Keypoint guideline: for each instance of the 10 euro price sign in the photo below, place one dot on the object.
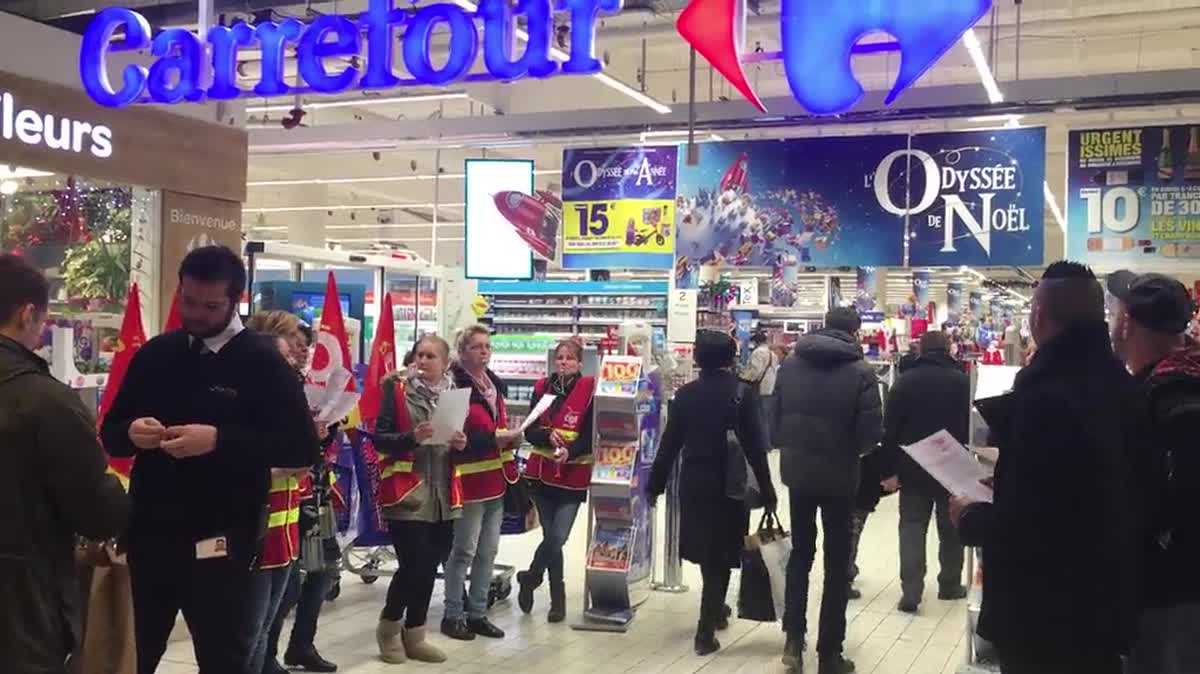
(619, 208)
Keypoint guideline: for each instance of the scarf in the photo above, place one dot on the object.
(426, 391)
(486, 388)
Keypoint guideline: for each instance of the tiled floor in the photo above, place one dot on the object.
(879, 639)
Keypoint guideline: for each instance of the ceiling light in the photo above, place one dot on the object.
(424, 225)
(604, 78)
(9, 187)
(348, 207)
(361, 102)
(342, 239)
(7, 172)
(971, 42)
(288, 182)
(711, 137)
(1054, 209)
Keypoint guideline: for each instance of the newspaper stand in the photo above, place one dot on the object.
(620, 555)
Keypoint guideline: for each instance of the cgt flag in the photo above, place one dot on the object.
(132, 337)
(383, 361)
(330, 387)
(174, 321)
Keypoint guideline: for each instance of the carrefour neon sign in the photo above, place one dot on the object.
(176, 74)
(819, 36)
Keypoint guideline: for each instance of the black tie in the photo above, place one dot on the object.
(199, 348)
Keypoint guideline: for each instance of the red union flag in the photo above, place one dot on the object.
(174, 321)
(132, 337)
(383, 361)
(330, 386)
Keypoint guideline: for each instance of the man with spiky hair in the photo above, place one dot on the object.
(1061, 538)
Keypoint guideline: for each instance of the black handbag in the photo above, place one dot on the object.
(740, 481)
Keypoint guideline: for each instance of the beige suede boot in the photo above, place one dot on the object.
(419, 649)
(389, 634)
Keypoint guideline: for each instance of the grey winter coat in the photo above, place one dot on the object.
(828, 414)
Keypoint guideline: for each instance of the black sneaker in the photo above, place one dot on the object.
(484, 628)
(952, 593)
(706, 643)
(908, 606)
(723, 621)
(853, 593)
(309, 661)
(835, 665)
(457, 629)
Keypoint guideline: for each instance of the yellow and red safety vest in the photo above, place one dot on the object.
(485, 475)
(397, 477)
(282, 543)
(576, 474)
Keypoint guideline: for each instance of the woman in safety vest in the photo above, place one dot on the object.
(420, 495)
(486, 469)
(281, 546)
(559, 471)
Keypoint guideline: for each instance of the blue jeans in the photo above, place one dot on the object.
(476, 541)
(267, 587)
(558, 518)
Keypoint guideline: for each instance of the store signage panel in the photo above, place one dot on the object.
(818, 38)
(619, 208)
(51, 127)
(975, 197)
(328, 50)
(972, 198)
(1133, 196)
(788, 204)
(189, 222)
(494, 247)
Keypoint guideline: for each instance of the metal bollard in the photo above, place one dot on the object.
(672, 566)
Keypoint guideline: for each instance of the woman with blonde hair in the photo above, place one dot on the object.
(487, 468)
(281, 547)
(420, 495)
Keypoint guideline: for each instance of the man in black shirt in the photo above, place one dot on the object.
(208, 411)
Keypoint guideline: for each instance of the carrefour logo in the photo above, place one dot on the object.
(328, 50)
(818, 36)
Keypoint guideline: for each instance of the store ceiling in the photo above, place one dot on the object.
(388, 144)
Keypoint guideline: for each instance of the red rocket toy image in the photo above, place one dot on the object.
(737, 178)
(536, 218)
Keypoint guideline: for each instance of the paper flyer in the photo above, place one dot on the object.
(538, 410)
(449, 415)
(951, 465)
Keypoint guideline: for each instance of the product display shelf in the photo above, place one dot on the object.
(585, 315)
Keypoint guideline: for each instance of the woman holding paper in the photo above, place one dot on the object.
(560, 471)
(420, 495)
(487, 468)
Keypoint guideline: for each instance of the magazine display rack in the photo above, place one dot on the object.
(620, 555)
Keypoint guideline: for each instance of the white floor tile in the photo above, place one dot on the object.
(879, 639)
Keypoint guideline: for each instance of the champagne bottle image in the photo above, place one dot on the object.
(1192, 172)
(1166, 160)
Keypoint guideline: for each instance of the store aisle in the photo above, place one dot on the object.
(879, 639)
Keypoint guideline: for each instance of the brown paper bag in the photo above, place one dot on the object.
(108, 636)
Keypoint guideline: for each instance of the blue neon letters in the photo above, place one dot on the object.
(175, 75)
